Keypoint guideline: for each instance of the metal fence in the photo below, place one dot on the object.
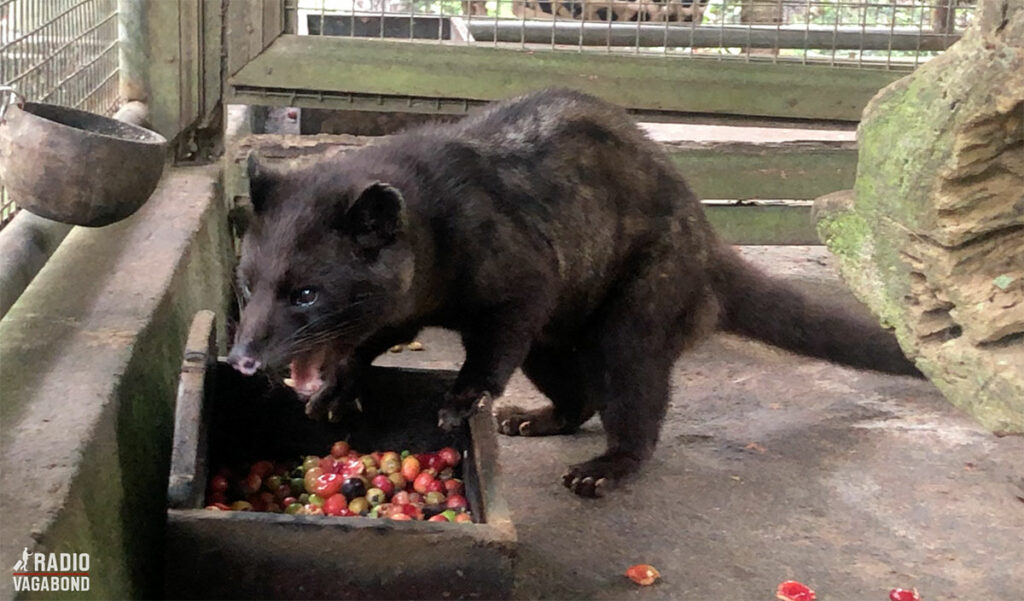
(60, 52)
(887, 34)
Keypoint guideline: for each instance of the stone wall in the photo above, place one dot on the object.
(933, 237)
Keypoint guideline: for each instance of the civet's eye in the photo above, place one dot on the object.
(304, 297)
(246, 291)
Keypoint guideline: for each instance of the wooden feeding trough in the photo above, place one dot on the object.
(223, 417)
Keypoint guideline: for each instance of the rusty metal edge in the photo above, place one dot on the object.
(485, 450)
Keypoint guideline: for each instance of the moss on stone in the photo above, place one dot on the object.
(850, 237)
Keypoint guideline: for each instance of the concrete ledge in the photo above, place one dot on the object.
(89, 357)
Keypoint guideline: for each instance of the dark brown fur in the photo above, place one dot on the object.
(553, 236)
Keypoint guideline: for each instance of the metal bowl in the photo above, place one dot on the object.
(77, 167)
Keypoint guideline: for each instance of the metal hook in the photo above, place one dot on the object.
(8, 96)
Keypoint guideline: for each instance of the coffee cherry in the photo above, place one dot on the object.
(384, 483)
(410, 468)
(359, 505)
(450, 456)
(398, 480)
(456, 502)
(422, 482)
(375, 496)
(339, 449)
(353, 488)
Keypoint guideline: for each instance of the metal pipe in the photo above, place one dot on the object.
(25, 245)
(134, 112)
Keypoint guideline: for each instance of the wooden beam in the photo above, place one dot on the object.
(763, 222)
(212, 45)
(190, 62)
(374, 103)
(164, 67)
(745, 171)
(250, 26)
(314, 64)
(272, 24)
(721, 170)
(236, 38)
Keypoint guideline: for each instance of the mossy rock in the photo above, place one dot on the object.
(932, 236)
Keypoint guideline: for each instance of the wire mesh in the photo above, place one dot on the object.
(59, 52)
(886, 34)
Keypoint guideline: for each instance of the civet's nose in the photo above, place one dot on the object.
(241, 361)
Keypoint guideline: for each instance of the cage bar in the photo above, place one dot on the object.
(886, 34)
(62, 52)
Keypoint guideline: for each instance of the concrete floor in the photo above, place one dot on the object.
(770, 467)
(773, 467)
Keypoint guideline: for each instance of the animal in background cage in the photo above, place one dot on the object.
(383, 6)
(944, 15)
(474, 7)
(601, 10)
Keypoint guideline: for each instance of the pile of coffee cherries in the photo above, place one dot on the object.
(392, 485)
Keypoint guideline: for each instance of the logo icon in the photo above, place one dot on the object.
(51, 572)
(22, 563)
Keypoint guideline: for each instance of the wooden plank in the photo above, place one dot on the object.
(341, 101)
(743, 171)
(345, 65)
(732, 170)
(770, 224)
(291, 21)
(273, 21)
(212, 76)
(163, 66)
(189, 62)
(747, 223)
(236, 36)
(182, 63)
(254, 27)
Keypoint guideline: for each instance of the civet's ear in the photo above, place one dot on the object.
(261, 182)
(376, 217)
